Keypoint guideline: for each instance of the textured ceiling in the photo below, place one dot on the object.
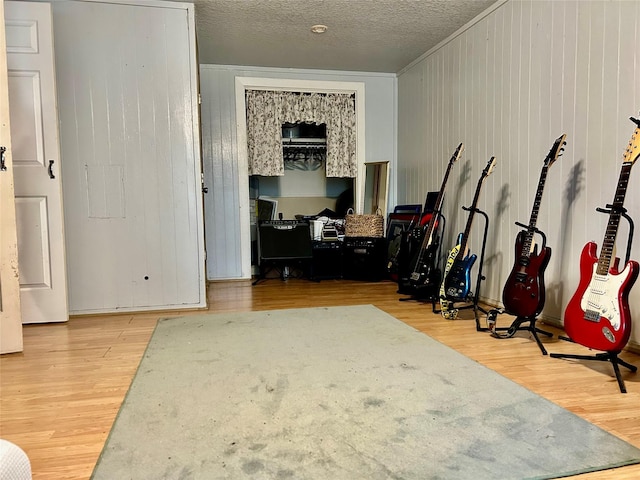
(362, 35)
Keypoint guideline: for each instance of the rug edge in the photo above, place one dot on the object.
(126, 396)
(601, 468)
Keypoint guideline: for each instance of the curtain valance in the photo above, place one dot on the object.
(268, 110)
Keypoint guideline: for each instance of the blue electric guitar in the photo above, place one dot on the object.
(457, 282)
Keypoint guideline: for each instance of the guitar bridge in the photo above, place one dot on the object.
(592, 316)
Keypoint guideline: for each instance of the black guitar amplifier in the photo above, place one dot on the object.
(284, 240)
(364, 258)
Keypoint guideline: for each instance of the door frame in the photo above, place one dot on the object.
(243, 84)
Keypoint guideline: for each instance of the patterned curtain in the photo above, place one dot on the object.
(264, 134)
(268, 110)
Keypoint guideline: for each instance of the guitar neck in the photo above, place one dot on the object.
(606, 252)
(426, 241)
(528, 240)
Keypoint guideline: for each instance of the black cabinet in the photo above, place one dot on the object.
(327, 260)
(364, 258)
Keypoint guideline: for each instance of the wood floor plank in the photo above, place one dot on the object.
(59, 398)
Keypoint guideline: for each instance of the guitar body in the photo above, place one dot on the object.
(598, 316)
(524, 293)
(457, 284)
(446, 306)
(426, 276)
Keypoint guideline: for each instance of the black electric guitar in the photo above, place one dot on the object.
(425, 275)
(524, 293)
(457, 281)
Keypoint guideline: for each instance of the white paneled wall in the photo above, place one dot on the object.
(223, 219)
(508, 86)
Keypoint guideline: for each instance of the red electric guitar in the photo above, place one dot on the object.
(597, 315)
(524, 294)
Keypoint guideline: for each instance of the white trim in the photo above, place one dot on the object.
(283, 85)
(386, 186)
(279, 70)
(291, 85)
(244, 212)
(197, 147)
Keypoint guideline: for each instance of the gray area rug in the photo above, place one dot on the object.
(335, 393)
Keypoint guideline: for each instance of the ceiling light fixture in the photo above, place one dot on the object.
(319, 28)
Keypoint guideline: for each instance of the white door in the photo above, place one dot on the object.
(36, 162)
(10, 319)
(126, 78)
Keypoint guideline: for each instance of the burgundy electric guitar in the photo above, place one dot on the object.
(524, 293)
(597, 315)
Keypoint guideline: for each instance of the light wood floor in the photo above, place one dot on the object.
(59, 398)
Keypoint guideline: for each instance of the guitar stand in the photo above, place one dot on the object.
(284, 274)
(480, 277)
(284, 270)
(475, 298)
(516, 326)
(608, 356)
(602, 357)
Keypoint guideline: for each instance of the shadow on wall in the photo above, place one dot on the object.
(465, 175)
(494, 261)
(555, 291)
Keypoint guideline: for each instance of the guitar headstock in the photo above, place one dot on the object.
(491, 164)
(632, 152)
(556, 150)
(456, 154)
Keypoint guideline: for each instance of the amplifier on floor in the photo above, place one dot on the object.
(364, 258)
(284, 240)
(327, 260)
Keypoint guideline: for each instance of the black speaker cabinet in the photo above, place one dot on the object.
(327, 260)
(364, 258)
(284, 240)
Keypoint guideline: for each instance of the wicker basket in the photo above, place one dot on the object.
(363, 225)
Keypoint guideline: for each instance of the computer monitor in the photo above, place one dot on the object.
(267, 208)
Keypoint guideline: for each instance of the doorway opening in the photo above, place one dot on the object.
(251, 188)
